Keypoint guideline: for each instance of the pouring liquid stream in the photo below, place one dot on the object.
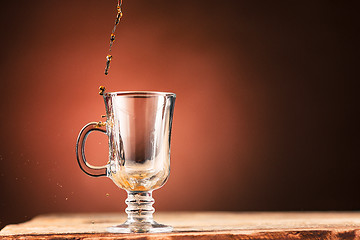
(112, 36)
(112, 40)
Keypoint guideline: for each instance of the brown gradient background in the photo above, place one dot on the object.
(266, 116)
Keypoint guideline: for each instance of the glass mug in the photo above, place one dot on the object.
(139, 129)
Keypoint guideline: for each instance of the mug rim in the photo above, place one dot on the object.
(140, 93)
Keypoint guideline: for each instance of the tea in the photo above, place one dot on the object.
(139, 180)
(112, 36)
(112, 40)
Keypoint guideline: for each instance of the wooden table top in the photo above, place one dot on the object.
(195, 225)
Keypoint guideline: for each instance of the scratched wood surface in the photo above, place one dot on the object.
(196, 225)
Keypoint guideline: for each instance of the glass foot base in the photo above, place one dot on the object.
(147, 227)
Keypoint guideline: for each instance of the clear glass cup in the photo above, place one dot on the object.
(138, 126)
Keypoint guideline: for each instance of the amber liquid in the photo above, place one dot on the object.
(112, 40)
(112, 36)
(139, 180)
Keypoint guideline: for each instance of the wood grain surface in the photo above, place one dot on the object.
(195, 225)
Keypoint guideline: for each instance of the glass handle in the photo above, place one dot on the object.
(93, 171)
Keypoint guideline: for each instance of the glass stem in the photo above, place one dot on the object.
(140, 209)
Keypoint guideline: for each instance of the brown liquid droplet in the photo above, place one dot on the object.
(112, 38)
(102, 90)
(108, 60)
(118, 16)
